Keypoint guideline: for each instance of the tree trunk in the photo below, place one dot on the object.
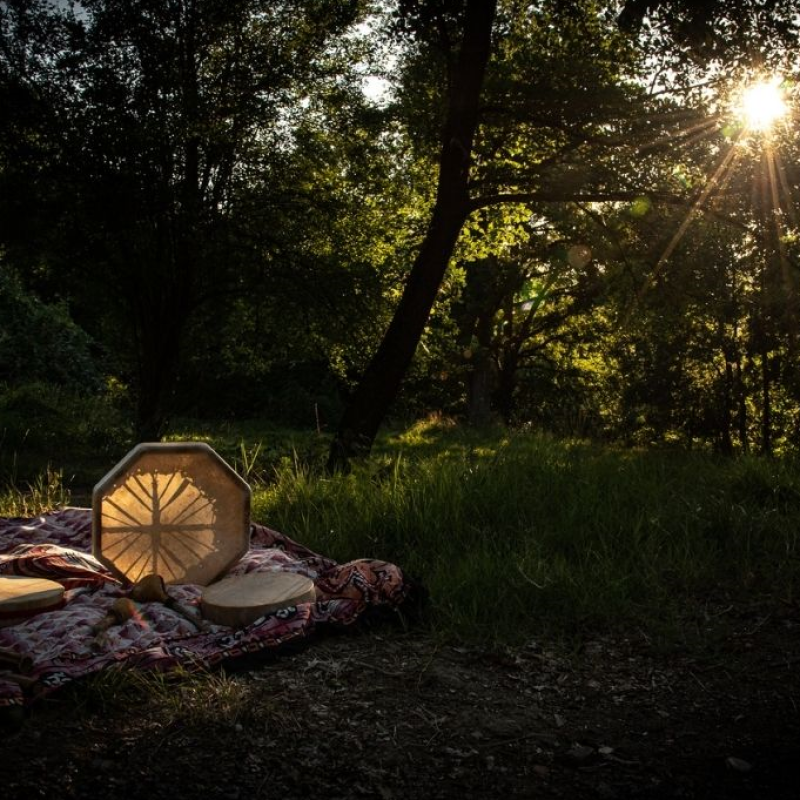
(480, 384)
(766, 402)
(381, 381)
(509, 362)
(158, 346)
(741, 400)
(726, 440)
(481, 372)
(506, 385)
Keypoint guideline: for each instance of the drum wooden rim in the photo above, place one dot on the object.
(22, 596)
(239, 600)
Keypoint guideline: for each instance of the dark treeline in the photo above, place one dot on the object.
(550, 214)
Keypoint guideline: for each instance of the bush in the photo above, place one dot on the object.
(40, 343)
(45, 423)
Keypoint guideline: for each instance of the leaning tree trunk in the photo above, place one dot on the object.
(381, 381)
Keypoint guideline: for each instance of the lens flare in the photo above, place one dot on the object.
(762, 104)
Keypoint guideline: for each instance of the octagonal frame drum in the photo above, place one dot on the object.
(176, 509)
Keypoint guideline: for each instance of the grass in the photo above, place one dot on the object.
(253, 448)
(515, 533)
(45, 492)
(511, 534)
(191, 697)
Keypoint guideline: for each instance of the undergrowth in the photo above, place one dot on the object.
(177, 697)
(518, 533)
(44, 493)
(515, 534)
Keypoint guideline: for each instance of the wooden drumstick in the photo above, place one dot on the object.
(122, 609)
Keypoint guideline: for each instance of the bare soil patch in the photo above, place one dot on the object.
(389, 713)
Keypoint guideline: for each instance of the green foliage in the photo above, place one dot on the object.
(44, 493)
(253, 447)
(230, 240)
(41, 342)
(169, 120)
(515, 533)
(43, 423)
(511, 535)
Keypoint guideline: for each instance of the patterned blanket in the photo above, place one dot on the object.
(62, 645)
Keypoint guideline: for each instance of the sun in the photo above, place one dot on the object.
(762, 104)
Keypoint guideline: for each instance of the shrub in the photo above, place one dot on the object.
(40, 343)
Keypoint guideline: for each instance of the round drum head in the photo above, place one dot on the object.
(239, 600)
(22, 597)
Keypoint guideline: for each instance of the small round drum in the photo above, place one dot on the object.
(22, 597)
(239, 600)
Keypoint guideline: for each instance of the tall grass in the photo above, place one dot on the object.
(513, 534)
(44, 493)
(516, 534)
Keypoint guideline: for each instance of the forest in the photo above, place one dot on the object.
(493, 307)
(337, 214)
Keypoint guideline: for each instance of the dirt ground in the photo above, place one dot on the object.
(390, 713)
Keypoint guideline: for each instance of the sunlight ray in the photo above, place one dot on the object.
(683, 138)
(791, 208)
(776, 215)
(718, 180)
(758, 195)
(676, 115)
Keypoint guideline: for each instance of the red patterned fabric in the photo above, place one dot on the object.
(61, 642)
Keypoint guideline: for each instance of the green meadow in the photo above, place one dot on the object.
(514, 534)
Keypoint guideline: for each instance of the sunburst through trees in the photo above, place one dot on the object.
(741, 182)
(751, 121)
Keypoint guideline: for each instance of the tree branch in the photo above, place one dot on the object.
(477, 203)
